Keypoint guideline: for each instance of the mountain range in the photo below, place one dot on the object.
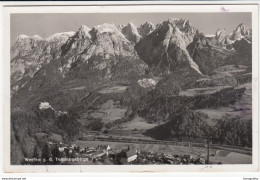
(164, 46)
(127, 72)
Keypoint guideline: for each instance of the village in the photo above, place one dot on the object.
(72, 154)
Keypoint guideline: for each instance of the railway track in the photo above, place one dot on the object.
(242, 150)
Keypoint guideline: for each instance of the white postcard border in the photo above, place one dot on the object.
(128, 9)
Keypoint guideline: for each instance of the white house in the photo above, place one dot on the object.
(61, 149)
(131, 155)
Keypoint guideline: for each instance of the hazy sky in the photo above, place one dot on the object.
(45, 25)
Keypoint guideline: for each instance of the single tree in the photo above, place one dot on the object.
(55, 154)
(35, 152)
(45, 153)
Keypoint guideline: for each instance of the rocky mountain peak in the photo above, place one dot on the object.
(200, 39)
(83, 32)
(183, 25)
(105, 28)
(148, 23)
(28, 38)
(165, 48)
(241, 28)
(146, 28)
(132, 24)
(37, 37)
(60, 36)
(29, 54)
(220, 36)
(120, 27)
(242, 31)
(220, 33)
(103, 50)
(24, 40)
(131, 33)
(22, 36)
(75, 45)
(24, 44)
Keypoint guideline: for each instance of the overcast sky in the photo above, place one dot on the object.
(45, 25)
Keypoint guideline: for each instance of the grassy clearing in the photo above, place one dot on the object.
(79, 88)
(218, 113)
(109, 112)
(199, 91)
(139, 124)
(246, 100)
(114, 89)
(231, 69)
(56, 137)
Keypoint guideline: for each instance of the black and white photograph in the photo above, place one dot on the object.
(133, 88)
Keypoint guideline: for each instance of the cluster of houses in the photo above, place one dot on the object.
(100, 153)
(166, 158)
(104, 154)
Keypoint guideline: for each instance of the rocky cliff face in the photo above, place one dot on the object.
(134, 33)
(146, 28)
(54, 69)
(108, 48)
(222, 49)
(222, 38)
(89, 58)
(29, 54)
(131, 33)
(220, 35)
(164, 50)
(225, 40)
(205, 54)
(242, 32)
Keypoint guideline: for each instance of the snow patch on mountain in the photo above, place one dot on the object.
(62, 35)
(210, 35)
(147, 83)
(37, 37)
(106, 28)
(22, 36)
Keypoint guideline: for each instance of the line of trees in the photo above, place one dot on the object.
(159, 107)
(190, 125)
(233, 131)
